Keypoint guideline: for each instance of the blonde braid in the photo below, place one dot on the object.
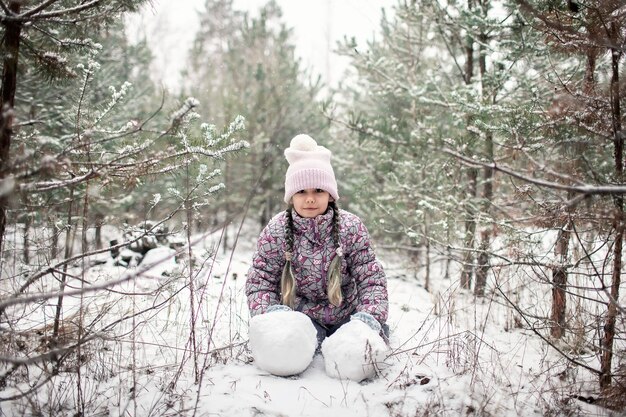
(334, 271)
(287, 280)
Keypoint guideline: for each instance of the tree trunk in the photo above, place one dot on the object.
(611, 316)
(470, 230)
(448, 257)
(26, 237)
(192, 289)
(414, 256)
(483, 267)
(98, 231)
(27, 219)
(469, 50)
(559, 282)
(69, 243)
(9, 85)
(467, 274)
(618, 202)
(487, 196)
(54, 237)
(427, 264)
(561, 247)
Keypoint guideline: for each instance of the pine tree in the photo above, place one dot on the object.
(433, 102)
(587, 109)
(247, 65)
(83, 142)
(41, 36)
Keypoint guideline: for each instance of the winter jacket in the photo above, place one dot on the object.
(364, 285)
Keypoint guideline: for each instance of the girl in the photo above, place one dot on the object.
(315, 258)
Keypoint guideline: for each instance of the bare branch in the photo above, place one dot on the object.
(545, 339)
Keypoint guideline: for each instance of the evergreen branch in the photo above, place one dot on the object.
(585, 189)
(4, 8)
(43, 186)
(65, 43)
(124, 133)
(37, 9)
(98, 170)
(546, 169)
(71, 10)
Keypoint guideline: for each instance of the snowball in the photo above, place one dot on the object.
(282, 342)
(354, 351)
(303, 143)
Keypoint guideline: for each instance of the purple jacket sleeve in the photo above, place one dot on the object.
(263, 280)
(367, 271)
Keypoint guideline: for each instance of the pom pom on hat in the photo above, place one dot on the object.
(303, 143)
(309, 167)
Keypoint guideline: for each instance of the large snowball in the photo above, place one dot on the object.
(354, 352)
(282, 342)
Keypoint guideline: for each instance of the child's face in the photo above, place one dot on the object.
(311, 202)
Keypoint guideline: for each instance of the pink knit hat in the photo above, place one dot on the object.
(309, 167)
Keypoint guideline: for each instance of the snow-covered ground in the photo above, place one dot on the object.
(451, 354)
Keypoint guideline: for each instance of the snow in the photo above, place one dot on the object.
(450, 353)
(282, 342)
(355, 352)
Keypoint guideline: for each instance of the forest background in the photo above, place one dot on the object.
(483, 135)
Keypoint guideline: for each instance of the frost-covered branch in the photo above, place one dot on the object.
(62, 12)
(4, 7)
(586, 189)
(38, 8)
(43, 186)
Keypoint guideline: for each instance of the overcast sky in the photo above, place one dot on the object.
(317, 26)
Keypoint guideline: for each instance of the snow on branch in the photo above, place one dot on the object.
(80, 42)
(188, 105)
(116, 97)
(43, 186)
(586, 189)
(35, 13)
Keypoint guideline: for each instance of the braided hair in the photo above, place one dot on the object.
(334, 270)
(287, 280)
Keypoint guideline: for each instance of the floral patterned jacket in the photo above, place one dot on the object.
(364, 285)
